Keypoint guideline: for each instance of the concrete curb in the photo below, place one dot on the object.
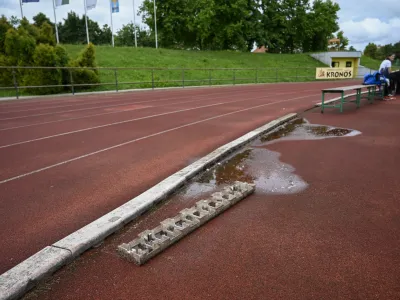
(18, 280)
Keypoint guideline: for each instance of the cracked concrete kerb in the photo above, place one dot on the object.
(18, 280)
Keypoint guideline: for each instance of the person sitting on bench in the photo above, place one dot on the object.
(385, 69)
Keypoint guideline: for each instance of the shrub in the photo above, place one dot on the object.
(6, 78)
(46, 35)
(19, 50)
(83, 74)
(62, 61)
(44, 56)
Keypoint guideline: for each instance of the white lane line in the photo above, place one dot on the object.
(146, 137)
(87, 99)
(95, 115)
(113, 105)
(91, 98)
(129, 120)
(92, 103)
(122, 111)
(108, 101)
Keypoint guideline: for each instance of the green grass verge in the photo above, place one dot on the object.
(370, 63)
(271, 67)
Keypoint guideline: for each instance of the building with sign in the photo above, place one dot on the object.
(342, 60)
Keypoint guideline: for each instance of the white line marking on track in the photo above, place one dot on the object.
(128, 121)
(111, 99)
(102, 102)
(122, 111)
(113, 105)
(144, 138)
(95, 115)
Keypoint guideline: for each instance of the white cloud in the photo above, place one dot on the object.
(360, 33)
(358, 10)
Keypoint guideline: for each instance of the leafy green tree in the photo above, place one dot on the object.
(371, 50)
(323, 22)
(40, 19)
(14, 21)
(344, 41)
(204, 24)
(4, 27)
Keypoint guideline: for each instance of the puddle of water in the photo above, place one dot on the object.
(301, 129)
(255, 165)
(261, 166)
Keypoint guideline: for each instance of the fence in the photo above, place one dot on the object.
(13, 82)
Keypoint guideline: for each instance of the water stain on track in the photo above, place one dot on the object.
(256, 164)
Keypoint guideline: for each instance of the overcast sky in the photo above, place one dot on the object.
(362, 21)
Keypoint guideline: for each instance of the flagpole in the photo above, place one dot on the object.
(55, 21)
(155, 22)
(87, 30)
(22, 13)
(112, 29)
(134, 22)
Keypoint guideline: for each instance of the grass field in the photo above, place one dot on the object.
(271, 67)
(374, 64)
(370, 63)
(145, 67)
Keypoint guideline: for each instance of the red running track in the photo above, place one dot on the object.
(66, 161)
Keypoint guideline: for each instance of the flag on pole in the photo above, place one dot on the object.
(91, 4)
(27, 1)
(114, 6)
(61, 2)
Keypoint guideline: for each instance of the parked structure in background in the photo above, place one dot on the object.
(261, 49)
(334, 44)
(343, 59)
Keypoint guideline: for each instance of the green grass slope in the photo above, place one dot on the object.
(201, 67)
(370, 63)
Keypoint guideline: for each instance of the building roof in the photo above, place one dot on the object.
(261, 49)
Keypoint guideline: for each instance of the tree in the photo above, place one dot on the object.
(126, 35)
(14, 21)
(4, 27)
(344, 41)
(371, 50)
(273, 26)
(40, 19)
(296, 23)
(352, 48)
(104, 36)
(204, 24)
(323, 22)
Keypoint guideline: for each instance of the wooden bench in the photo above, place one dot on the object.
(341, 90)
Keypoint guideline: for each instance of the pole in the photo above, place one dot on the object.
(87, 30)
(55, 21)
(22, 13)
(155, 22)
(112, 30)
(134, 22)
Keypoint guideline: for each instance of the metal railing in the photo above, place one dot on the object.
(13, 82)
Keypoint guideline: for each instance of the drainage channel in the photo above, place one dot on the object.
(252, 169)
